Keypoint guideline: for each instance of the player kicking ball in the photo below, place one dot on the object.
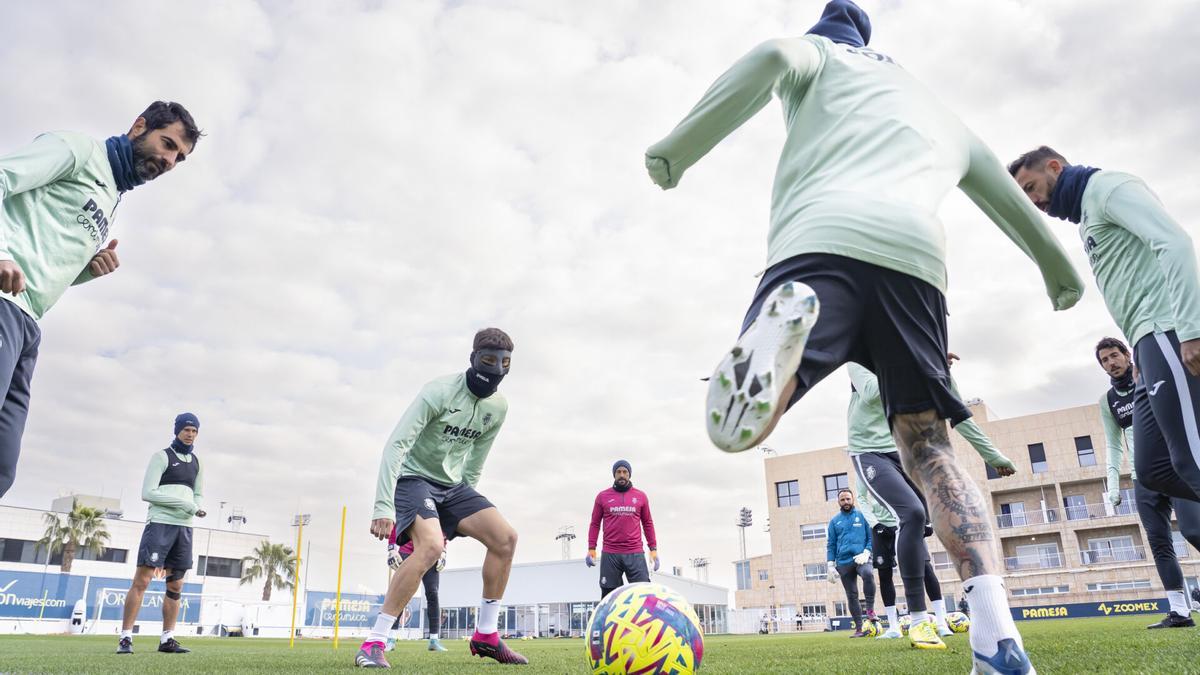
(856, 268)
(426, 492)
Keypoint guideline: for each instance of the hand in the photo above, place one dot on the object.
(12, 279)
(201, 513)
(654, 559)
(831, 574)
(394, 558)
(381, 528)
(1189, 353)
(105, 261)
(1004, 466)
(441, 563)
(863, 558)
(590, 560)
(159, 573)
(1114, 497)
(660, 172)
(951, 357)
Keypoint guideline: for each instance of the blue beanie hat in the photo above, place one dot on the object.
(186, 420)
(622, 463)
(844, 22)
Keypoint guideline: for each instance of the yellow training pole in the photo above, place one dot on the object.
(296, 582)
(337, 603)
(41, 613)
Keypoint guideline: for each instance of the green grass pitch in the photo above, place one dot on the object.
(1104, 645)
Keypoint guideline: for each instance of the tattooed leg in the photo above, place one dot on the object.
(960, 515)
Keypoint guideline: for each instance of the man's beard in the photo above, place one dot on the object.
(847, 508)
(145, 164)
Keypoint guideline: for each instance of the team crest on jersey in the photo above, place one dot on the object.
(154, 556)
(429, 505)
(487, 419)
(870, 472)
(635, 500)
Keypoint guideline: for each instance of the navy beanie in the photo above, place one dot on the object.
(186, 420)
(622, 463)
(844, 22)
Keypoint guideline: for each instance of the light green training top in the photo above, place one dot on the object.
(1113, 435)
(444, 436)
(57, 197)
(171, 504)
(868, 429)
(1143, 260)
(869, 156)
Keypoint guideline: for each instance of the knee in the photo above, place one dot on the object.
(427, 552)
(139, 584)
(505, 543)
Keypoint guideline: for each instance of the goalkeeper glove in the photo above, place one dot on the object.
(590, 560)
(863, 558)
(831, 572)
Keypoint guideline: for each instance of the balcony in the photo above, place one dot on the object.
(1024, 563)
(1105, 556)
(1005, 521)
(1098, 511)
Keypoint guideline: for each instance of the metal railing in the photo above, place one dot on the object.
(1102, 556)
(1039, 517)
(1041, 561)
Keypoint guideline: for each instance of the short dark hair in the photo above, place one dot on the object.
(1111, 343)
(839, 494)
(1034, 159)
(492, 338)
(162, 114)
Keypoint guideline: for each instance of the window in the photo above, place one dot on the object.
(1119, 585)
(992, 474)
(814, 572)
(1112, 549)
(219, 567)
(18, 550)
(1036, 556)
(26, 551)
(1040, 590)
(1180, 544)
(117, 555)
(741, 568)
(1084, 450)
(1037, 457)
(1013, 515)
(763, 575)
(941, 560)
(787, 493)
(1128, 503)
(834, 484)
(811, 532)
(840, 608)
(1076, 507)
(812, 610)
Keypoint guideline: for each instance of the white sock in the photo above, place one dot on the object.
(126, 634)
(489, 615)
(893, 617)
(991, 620)
(392, 633)
(433, 636)
(167, 635)
(1179, 603)
(383, 625)
(918, 617)
(939, 609)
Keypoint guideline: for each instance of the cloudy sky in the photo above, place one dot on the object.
(381, 179)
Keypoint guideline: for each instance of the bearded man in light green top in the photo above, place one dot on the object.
(57, 201)
(856, 266)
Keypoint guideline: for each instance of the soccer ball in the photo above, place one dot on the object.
(870, 628)
(644, 628)
(905, 621)
(958, 622)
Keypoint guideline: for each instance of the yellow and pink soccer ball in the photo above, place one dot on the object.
(644, 628)
(958, 622)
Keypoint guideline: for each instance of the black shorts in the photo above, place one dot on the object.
(889, 322)
(883, 547)
(450, 504)
(613, 565)
(166, 546)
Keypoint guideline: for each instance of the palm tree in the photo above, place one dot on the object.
(84, 528)
(275, 562)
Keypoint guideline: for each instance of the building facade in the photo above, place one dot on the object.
(1059, 539)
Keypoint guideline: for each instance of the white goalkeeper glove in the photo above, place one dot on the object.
(831, 573)
(863, 558)
(441, 563)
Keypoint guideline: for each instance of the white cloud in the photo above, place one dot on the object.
(379, 181)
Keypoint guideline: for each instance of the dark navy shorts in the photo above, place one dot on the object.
(891, 323)
(613, 565)
(450, 504)
(167, 546)
(883, 546)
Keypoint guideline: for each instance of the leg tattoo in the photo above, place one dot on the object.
(960, 515)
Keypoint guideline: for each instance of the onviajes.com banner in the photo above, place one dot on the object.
(23, 594)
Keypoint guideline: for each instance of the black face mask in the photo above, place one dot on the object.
(1124, 382)
(622, 486)
(179, 446)
(483, 385)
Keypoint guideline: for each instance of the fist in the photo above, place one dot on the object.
(381, 528)
(590, 560)
(105, 261)
(12, 279)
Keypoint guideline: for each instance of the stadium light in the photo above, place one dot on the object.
(745, 519)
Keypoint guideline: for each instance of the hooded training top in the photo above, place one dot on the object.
(1116, 412)
(172, 500)
(869, 156)
(849, 534)
(1143, 260)
(625, 515)
(444, 437)
(868, 425)
(57, 197)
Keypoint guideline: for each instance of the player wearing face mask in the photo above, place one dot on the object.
(426, 491)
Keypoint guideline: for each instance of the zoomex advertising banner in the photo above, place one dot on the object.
(1082, 609)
